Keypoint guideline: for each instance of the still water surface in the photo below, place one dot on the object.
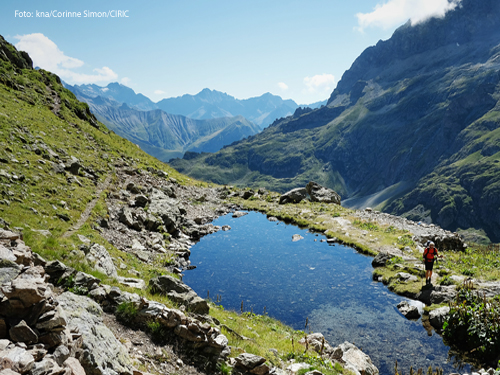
(256, 262)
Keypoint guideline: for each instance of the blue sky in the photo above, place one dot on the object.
(295, 49)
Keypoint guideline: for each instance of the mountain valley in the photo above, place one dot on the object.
(412, 129)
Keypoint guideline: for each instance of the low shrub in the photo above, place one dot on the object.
(126, 312)
(474, 324)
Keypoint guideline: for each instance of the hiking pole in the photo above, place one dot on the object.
(423, 263)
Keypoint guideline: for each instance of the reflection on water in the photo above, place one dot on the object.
(256, 262)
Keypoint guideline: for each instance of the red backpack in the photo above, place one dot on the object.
(429, 253)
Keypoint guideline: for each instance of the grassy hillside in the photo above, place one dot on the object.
(55, 158)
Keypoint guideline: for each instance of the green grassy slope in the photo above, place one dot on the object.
(42, 125)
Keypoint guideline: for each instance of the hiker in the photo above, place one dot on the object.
(430, 254)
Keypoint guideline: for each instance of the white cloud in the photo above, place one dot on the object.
(395, 12)
(125, 81)
(283, 85)
(320, 83)
(46, 55)
(159, 92)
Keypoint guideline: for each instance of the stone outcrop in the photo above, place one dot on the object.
(41, 334)
(101, 352)
(316, 192)
(180, 293)
(247, 363)
(151, 216)
(293, 196)
(322, 194)
(347, 354)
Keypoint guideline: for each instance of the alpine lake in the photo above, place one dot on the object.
(329, 286)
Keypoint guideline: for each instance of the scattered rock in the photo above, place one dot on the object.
(437, 294)
(23, 333)
(252, 363)
(297, 237)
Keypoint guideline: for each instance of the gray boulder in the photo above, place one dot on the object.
(141, 200)
(102, 353)
(8, 273)
(100, 259)
(322, 194)
(381, 259)
(27, 289)
(179, 292)
(252, 363)
(408, 311)
(126, 217)
(293, 196)
(355, 360)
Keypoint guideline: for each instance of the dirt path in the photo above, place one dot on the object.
(90, 206)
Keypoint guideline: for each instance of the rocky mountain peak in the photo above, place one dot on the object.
(470, 30)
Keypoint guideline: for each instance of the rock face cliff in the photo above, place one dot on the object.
(412, 128)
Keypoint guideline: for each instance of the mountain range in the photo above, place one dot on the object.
(207, 104)
(412, 128)
(167, 136)
(204, 122)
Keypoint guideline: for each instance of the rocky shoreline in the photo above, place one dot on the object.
(51, 316)
(154, 218)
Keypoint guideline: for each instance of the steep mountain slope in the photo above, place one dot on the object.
(412, 127)
(166, 136)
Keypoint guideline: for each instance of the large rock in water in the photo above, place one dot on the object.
(103, 354)
(179, 292)
(322, 194)
(409, 311)
(294, 196)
